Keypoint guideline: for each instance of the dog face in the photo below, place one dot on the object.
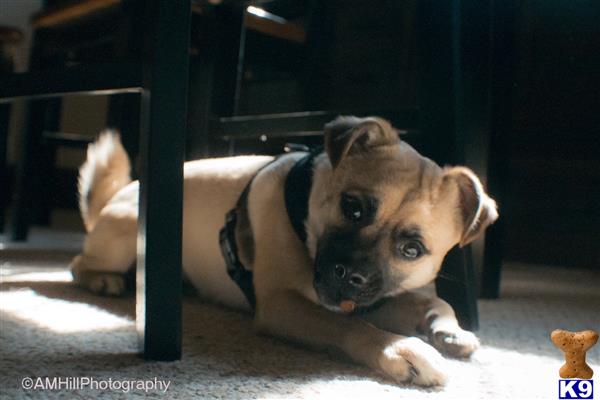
(383, 217)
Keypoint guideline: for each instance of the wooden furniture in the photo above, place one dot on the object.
(159, 75)
(9, 38)
(105, 32)
(448, 120)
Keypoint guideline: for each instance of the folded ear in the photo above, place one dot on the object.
(348, 134)
(477, 209)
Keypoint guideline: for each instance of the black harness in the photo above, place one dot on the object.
(296, 192)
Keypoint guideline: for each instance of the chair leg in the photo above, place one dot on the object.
(456, 285)
(124, 114)
(4, 119)
(503, 59)
(200, 94)
(45, 190)
(27, 181)
(163, 119)
(492, 266)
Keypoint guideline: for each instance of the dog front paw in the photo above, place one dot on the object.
(102, 283)
(456, 343)
(108, 284)
(411, 359)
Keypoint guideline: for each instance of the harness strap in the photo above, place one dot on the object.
(296, 191)
(235, 269)
(229, 249)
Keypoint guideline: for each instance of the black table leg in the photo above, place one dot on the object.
(4, 120)
(124, 114)
(502, 71)
(454, 115)
(456, 284)
(163, 119)
(26, 180)
(45, 191)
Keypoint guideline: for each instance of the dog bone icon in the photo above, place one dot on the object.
(574, 345)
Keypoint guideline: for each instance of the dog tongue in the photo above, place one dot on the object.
(347, 306)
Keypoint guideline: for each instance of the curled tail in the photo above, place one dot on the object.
(106, 170)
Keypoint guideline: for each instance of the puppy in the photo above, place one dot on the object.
(358, 277)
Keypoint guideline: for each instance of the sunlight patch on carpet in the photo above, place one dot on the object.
(492, 371)
(58, 315)
(11, 275)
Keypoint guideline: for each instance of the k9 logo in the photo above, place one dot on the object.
(575, 389)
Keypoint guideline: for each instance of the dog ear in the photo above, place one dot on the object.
(348, 134)
(477, 209)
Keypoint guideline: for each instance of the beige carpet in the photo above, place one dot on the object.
(50, 328)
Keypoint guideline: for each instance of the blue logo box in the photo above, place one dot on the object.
(575, 389)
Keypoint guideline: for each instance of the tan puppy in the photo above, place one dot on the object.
(381, 219)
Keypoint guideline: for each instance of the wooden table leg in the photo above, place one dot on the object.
(456, 284)
(4, 120)
(503, 59)
(163, 119)
(27, 181)
(454, 40)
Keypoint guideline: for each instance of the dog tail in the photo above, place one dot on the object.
(106, 170)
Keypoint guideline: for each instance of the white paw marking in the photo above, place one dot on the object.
(458, 343)
(411, 359)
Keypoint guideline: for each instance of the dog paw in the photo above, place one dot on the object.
(102, 283)
(107, 284)
(411, 359)
(459, 343)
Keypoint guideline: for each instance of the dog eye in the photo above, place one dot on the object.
(352, 208)
(411, 249)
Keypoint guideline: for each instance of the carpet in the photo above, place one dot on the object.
(50, 328)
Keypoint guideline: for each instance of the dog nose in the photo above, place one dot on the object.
(340, 271)
(357, 280)
(344, 273)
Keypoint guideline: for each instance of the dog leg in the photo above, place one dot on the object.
(422, 311)
(108, 253)
(441, 326)
(289, 315)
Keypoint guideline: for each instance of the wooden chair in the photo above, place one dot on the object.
(160, 75)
